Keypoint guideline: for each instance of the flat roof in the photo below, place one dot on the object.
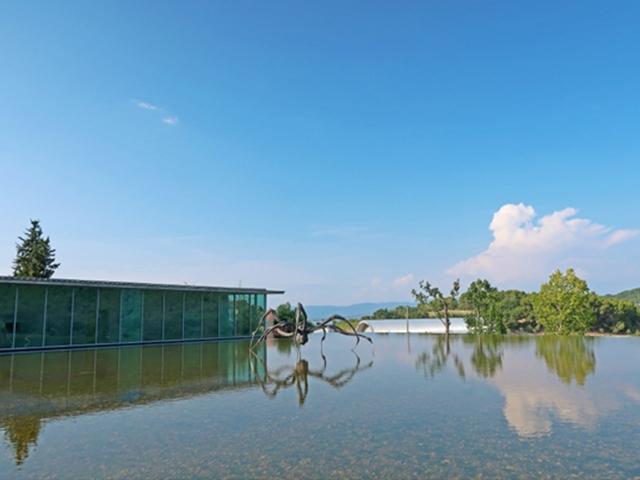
(67, 282)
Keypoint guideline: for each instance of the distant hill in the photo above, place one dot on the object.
(628, 295)
(317, 312)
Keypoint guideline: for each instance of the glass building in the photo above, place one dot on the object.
(54, 313)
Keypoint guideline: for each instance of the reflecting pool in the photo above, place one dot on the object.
(410, 406)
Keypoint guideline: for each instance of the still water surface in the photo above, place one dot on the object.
(410, 406)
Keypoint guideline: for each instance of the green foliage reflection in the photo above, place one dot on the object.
(571, 358)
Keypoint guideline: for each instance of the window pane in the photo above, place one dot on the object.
(243, 315)
(7, 309)
(109, 316)
(30, 316)
(173, 315)
(258, 310)
(131, 315)
(193, 315)
(58, 315)
(152, 327)
(84, 315)
(210, 315)
(227, 322)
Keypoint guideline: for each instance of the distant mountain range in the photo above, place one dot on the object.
(632, 295)
(357, 310)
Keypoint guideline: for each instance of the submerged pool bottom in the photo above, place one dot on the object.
(410, 406)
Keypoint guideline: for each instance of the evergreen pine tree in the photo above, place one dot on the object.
(34, 257)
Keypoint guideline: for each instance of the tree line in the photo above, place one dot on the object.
(563, 305)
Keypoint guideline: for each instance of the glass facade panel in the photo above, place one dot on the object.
(153, 313)
(210, 313)
(193, 315)
(131, 323)
(243, 315)
(52, 315)
(258, 310)
(58, 315)
(109, 316)
(226, 316)
(30, 318)
(173, 315)
(84, 315)
(7, 312)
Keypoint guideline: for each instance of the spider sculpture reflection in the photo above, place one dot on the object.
(285, 376)
(300, 330)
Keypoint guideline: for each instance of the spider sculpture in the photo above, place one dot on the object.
(301, 328)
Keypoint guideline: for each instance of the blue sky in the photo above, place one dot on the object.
(338, 150)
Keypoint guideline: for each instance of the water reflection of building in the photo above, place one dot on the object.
(37, 387)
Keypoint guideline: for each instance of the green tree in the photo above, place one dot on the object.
(487, 314)
(564, 304)
(517, 310)
(616, 316)
(431, 298)
(286, 313)
(34, 257)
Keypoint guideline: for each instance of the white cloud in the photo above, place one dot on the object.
(526, 249)
(403, 281)
(145, 105)
(620, 236)
(166, 116)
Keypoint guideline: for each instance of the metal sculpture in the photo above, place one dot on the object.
(301, 328)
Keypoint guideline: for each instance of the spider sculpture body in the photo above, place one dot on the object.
(301, 328)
